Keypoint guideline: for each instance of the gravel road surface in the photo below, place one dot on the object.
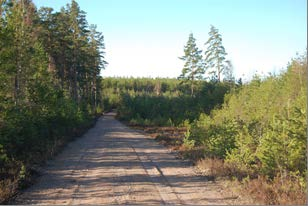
(113, 164)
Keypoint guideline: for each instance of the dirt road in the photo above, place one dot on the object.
(113, 164)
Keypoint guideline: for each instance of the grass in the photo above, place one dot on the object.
(279, 191)
(282, 190)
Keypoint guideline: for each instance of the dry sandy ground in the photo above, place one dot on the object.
(113, 164)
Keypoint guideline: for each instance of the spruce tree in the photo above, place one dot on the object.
(193, 67)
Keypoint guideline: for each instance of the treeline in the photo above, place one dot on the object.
(113, 88)
(144, 101)
(49, 83)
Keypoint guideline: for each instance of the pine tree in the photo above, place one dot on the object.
(62, 50)
(6, 65)
(193, 67)
(75, 52)
(47, 31)
(95, 62)
(20, 22)
(78, 38)
(215, 54)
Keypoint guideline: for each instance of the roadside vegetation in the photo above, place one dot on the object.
(49, 85)
(255, 136)
(254, 133)
(259, 136)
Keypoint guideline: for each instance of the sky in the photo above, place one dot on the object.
(145, 38)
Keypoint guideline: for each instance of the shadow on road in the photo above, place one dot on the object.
(112, 164)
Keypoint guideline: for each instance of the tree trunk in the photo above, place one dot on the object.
(192, 88)
(218, 71)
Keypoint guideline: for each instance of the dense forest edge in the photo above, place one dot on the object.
(162, 101)
(51, 91)
(50, 80)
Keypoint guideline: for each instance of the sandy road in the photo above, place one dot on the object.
(113, 164)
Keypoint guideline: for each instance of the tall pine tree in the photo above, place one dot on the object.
(20, 18)
(215, 55)
(193, 67)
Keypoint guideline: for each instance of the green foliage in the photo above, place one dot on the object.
(283, 146)
(162, 102)
(49, 82)
(193, 67)
(243, 154)
(187, 142)
(215, 55)
(261, 127)
(217, 138)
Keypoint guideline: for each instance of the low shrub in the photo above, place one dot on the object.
(286, 190)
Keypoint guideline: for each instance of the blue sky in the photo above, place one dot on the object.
(146, 37)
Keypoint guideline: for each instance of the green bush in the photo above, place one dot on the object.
(261, 127)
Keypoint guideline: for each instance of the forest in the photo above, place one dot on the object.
(161, 101)
(50, 83)
(51, 90)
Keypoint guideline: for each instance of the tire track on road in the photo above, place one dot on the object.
(157, 177)
(113, 164)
